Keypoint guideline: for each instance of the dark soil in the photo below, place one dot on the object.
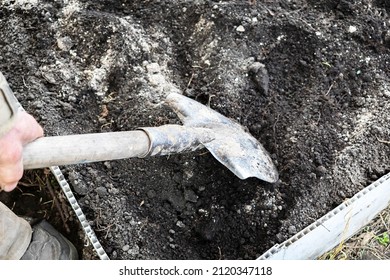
(309, 79)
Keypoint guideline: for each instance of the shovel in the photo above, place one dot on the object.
(202, 127)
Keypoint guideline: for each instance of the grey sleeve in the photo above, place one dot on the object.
(8, 106)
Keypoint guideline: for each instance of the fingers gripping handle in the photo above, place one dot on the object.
(84, 148)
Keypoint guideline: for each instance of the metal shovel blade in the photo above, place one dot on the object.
(239, 151)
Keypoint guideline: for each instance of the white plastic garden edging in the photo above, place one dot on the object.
(336, 226)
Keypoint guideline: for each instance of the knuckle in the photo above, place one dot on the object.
(11, 154)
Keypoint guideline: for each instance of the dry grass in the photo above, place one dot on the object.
(370, 243)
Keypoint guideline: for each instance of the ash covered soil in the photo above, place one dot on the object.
(308, 79)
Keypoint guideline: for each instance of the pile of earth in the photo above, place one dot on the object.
(308, 79)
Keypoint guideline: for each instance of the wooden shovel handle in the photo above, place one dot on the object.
(83, 148)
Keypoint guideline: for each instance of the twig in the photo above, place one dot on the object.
(24, 82)
(56, 203)
(319, 118)
(220, 252)
(274, 132)
(384, 223)
(107, 228)
(208, 102)
(190, 81)
(382, 141)
(331, 86)
(28, 184)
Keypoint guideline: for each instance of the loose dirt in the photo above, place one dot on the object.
(308, 79)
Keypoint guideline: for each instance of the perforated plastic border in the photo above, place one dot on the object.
(336, 226)
(79, 212)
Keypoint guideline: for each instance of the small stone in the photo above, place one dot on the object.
(180, 224)
(280, 237)
(248, 208)
(49, 77)
(352, 29)
(114, 191)
(64, 43)
(102, 191)
(321, 169)
(134, 251)
(107, 164)
(189, 195)
(292, 230)
(153, 68)
(125, 248)
(259, 76)
(79, 186)
(151, 194)
(387, 38)
(255, 66)
(177, 201)
(240, 28)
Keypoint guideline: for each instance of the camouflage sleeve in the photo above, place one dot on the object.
(8, 106)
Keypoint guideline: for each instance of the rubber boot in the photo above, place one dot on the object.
(48, 244)
(15, 234)
(42, 242)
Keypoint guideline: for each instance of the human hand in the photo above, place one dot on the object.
(25, 130)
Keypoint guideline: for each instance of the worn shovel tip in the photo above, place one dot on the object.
(265, 173)
(256, 165)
